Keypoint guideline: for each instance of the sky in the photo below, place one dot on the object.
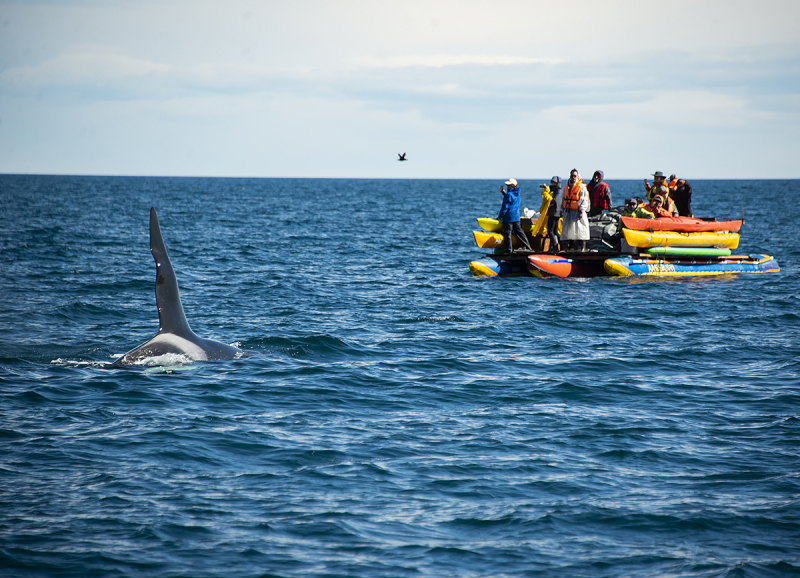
(468, 89)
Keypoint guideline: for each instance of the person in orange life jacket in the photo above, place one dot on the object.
(658, 180)
(683, 198)
(574, 210)
(672, 184)
(599, 194)
(656, 207)
(667, 203)
(509, 215)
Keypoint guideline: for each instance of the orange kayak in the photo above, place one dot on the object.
(680, 224)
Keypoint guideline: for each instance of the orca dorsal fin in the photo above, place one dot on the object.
(171, 318)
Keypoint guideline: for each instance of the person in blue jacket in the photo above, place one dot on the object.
(509, 215)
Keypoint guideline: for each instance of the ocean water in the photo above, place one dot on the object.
(393, 415)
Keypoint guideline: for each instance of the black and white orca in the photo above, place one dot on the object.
(174, 334)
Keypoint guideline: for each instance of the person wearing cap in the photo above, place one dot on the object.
(547, 223)
(574, 210)
(656, 207)
(672, 184)
(633, 208)
(683, 198)
(599, 194)
(509, 215)
(636, 209)
(658, 180)
(553, 216)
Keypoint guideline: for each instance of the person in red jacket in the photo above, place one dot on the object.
(599, 194)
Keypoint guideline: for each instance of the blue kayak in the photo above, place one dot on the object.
(653, 266)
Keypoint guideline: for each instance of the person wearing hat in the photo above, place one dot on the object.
(574, 210)
(599, 194)
(658, 180)
(509, 215)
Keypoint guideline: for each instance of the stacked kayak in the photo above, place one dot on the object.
(699, 239)
(681, 224)
(679, 246)
(681, 235)
(668, 246)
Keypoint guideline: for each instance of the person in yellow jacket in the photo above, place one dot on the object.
(546, 224)
(633, 208)
(636, 209)
(540, 226)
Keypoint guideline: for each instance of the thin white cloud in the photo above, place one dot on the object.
(668, 109)
(442, 60)
(81, 67)
(89, 68)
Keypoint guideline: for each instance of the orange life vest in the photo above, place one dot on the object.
(572, 196)
(659, 210)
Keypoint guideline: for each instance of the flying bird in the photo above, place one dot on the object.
(402, 157)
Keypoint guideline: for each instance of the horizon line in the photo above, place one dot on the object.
(547, 179)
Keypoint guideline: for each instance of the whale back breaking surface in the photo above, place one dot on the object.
(174, 334)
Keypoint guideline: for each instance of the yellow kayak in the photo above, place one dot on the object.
(495, 226)
(486, 240)
(491, 225)
(647, 239)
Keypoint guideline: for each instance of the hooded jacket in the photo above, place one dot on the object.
(509, 211)
(599, 193)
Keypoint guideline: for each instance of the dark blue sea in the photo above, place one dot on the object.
(393, 416)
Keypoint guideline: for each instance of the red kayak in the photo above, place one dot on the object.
(680, 224)
(588, 265)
